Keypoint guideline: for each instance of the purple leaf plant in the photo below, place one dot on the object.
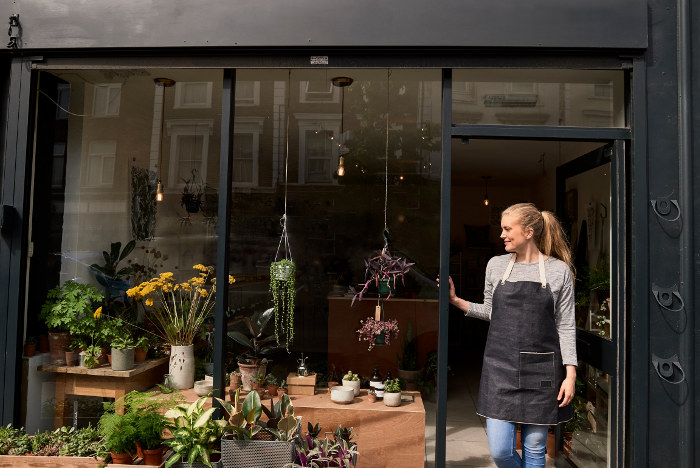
(382, 267)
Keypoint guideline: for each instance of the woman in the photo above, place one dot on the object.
(529, 369)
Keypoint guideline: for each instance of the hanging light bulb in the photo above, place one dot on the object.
(159, 191)
(341, 167)
(486, 189)
(163, 83)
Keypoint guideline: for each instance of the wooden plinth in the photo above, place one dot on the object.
(102, 382)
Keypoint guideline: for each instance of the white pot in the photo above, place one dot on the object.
(392, 399)
(182, 366)
(202, 387)
(355, 384)
(342, 394)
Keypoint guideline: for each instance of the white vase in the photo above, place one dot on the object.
(392, 399)
(182, 366)
(355, 384)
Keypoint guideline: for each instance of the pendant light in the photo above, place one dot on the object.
(163, 83)
(486, 189)
(341, 82)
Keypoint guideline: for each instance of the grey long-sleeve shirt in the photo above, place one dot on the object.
(560, 283)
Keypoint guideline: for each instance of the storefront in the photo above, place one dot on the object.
(330, 129)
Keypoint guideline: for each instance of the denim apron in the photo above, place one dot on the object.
(522, 371)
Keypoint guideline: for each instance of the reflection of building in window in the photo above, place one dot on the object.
(463, 91)
(318, 147)
(100, 163)
(246, 151)
(63, 100)
(189, 148)
(318, 91)
(602, 91)
(58, 164)
(106, 100)
(247, 93)
(193, 95)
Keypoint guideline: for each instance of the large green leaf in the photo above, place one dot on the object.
(251, 407)
(204, 418)
(240, 338)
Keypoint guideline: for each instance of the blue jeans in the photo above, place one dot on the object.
(501, 435)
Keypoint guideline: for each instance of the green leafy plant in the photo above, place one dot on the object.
(244, 418)
(579, 418)
(195, 434)
(270, 379)
(110, 271)
(84, 442)
(249, 332)
(70, 307)
(316, 453)
(393, 386)
(91, 355)
(282, 278)
(123, 342)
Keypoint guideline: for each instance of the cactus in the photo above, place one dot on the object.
(351, 377)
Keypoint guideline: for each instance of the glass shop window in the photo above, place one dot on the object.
(100, 163)
(247, 93)
(194, 95)
(106, 100)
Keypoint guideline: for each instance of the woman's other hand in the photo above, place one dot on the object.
(568, 387)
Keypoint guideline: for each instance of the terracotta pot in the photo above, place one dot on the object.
(248, 371)
(30, 349)
(410, 377)
(109, 359)
(121, 458)
(140, 354)
(43, 343)
(372, 397)
(235, 380)
(255, 385)
(551, 445)
(272, 390)
(58, 342)
(332, 384)
(72, 358)
(153, 457)
(104, 357)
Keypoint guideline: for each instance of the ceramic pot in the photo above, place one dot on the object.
(248, 372)
(30, 349)
(355, 384)
(235, 380)
(181, 366)
(272, 390)
(153, 457)
(342, 394)
(58, 342)
(410, 377)
(202, 387)
(122, 359)
(121, 458)
(72, 358)
(392, 399)
(140, 354)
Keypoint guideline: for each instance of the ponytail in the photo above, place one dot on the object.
(547, 231)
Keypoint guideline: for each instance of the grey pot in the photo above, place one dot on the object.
(122, 359)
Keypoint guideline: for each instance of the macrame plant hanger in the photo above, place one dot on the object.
(283, 269)
(379, 310)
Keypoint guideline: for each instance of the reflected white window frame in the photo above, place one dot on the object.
(114, 92)
(63, 100)
(249, 126)
(596, 94)
(313, 122)
(464, 91)
(307, 96)
(177, 128)
(180, 93)
(248, 101)
(103, 159)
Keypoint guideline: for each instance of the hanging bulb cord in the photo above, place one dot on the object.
(385, 232)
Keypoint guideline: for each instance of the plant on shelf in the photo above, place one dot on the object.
(244, 418)
(282, 278)
(392, 386)
(91, 355)
(195, 435)
(119, 433)
(383, 270)
(250, 333)
(67, 304)
(373, 330)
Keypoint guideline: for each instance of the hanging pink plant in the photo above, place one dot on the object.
(370, 329)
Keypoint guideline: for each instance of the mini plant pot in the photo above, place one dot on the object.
(122, 359)
(384, 288)
(58, 342)
(153, 457)
(281, 391)
(30, 349)
(140, 354)
(342, 394)
(392, 399)
(272, 390)
(181, 367)
(235, 380)
(372, 397)
(202, 387)
(121, 458)
(72, 358)
(354, 384)
(104, 357)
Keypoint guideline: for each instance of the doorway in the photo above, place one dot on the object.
(572, 179)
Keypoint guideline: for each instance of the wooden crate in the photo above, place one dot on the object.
(301, 385)
(23, 461)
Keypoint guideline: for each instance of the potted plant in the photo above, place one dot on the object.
(122, 353)
(353, 381)
(408, 360)
(141, 345)
(282, 389)
(392, 393)
(282, 278)
(249, 332)
(383, 270)
(191, 198)
(259, 381)
(65, 308)
(30, 346)
(314, 452)
(110, 275)
(73, 352)
(119, 434)
(235, 379)
(89, 357)
(195, 435)
(272, 384)
(178, 315)
(376, 331)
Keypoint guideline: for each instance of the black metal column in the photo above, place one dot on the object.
(12, 233)
(444, 304)
(223, 229)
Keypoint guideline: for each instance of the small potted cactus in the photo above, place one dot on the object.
(392, 393)
(352, 380)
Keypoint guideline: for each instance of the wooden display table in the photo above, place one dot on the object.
(102, 382)
(346, 352)
(386, 437)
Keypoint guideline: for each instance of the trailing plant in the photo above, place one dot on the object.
(370, 329)
(143, 203)
(408, 360)
(383, 267)
(68, 307)
(282, 278)
(178, 310)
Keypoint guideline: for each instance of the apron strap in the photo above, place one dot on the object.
(543, 277)
(509, 269)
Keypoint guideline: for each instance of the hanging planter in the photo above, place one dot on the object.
(282, 279)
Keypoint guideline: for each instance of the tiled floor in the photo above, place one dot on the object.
(466, 431)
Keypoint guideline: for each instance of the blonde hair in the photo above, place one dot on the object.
(547, 231)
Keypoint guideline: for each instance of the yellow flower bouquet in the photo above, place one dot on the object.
(178, 310)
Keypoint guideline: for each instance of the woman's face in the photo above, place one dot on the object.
(514, 236)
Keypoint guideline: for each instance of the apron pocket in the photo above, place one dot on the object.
(536, 370)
